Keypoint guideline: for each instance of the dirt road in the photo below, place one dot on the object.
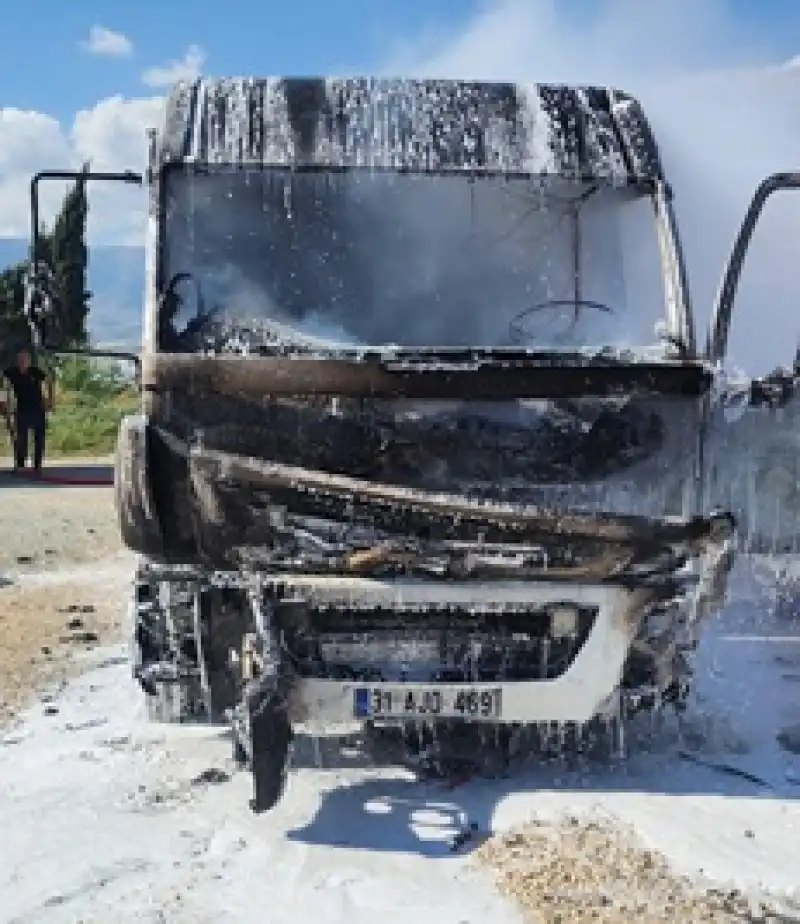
(62, 572)
(50, 524)
(107, 817)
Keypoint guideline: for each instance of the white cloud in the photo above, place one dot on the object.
(188, 68)
(107, 42)
(618, 41)
(29, 142)
(111, 134)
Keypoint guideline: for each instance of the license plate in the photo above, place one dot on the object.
(423, 702)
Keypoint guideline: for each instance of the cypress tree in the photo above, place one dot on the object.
(14, 331)
(69, 260)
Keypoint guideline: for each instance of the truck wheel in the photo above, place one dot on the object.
(134, 505)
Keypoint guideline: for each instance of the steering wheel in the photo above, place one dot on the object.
(172, 302)
(170, 305)
(517, 325)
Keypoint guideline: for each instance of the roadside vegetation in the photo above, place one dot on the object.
(90, 401)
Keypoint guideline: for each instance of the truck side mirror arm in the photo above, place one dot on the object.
(717, 344)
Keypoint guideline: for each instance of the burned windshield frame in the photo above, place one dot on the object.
(636, 189)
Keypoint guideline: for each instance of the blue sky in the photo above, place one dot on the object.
(272, 36)
(300, 36)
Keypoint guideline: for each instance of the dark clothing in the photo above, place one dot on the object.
(30, 413)
(27, 388)
(34, 422)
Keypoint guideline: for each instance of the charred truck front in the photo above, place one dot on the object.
(423, 433)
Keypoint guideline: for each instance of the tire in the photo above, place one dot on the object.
(132, 499)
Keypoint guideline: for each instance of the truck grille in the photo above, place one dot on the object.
(437, 643)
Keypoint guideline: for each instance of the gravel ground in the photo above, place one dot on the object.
(48, 526)
(582, 870)
(62, 577)
(47, 627)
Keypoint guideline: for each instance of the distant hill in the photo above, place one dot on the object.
(116, 280)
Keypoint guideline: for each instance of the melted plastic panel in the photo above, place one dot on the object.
(623, 456)
(592, 132)
(413, 260)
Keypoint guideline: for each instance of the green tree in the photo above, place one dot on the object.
(14, 331)
(64, 249)
(69, 259)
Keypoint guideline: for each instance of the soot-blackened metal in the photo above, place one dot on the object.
(591, 132)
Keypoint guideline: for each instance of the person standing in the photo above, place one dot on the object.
(31, 416)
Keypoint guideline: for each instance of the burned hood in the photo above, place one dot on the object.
(504, 426)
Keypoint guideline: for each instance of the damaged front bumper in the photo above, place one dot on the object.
(577, 639)
(507, 652)
(447, 610)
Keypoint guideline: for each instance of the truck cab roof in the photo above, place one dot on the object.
(422, 125)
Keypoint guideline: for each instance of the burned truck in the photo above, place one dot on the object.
(426, 438)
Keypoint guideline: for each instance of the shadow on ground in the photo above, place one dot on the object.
(59, 476)
(731, 743)
(404, 814)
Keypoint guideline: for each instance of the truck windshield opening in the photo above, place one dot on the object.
(383, 258)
